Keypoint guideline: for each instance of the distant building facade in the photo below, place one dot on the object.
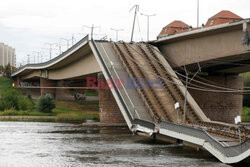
(7, 55)
(177, 27)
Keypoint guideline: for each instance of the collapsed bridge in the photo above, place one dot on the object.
(150, 110)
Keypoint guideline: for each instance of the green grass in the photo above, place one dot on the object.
(246, 97)
(74, 111)
(91, 92)
(246, 114)
(12, 112)
(65, 111)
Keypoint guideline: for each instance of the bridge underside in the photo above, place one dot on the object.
(229, 65)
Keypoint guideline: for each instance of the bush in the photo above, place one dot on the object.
(9, 100)
(24, 103)
(45, 104)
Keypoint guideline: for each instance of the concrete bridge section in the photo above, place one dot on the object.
(76, 62)
(219, 49)
(150, 112)
(147, 110)
(222, 52)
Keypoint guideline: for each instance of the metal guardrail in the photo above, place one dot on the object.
(229, 151)
(109, 74)
(124, 89)
(144, 123)
(86, 38)
(134, 121)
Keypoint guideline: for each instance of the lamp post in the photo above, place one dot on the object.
(116, 30)
(35, 56)
(67, 40)
(92, 29)
(50, 48)
(198, 12)
(28, 60)
(133, 28)
(148, 23)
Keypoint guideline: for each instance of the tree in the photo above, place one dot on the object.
(7, 71)
(45, 104)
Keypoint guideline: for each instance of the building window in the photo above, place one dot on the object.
(212, 22)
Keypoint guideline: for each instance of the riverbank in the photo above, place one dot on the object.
(17, 105)
(65, 111)
(29, 118)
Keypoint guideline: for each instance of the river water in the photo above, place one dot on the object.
(32, 144)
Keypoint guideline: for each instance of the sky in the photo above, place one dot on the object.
(28, 25)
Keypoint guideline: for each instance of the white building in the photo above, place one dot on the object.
(7, 55)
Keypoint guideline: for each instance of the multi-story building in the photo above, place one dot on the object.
(7, 55)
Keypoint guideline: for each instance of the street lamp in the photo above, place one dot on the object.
(35, 56)
(28, 60)
(148, 23)
(50, 48)
(116, 30)
(67, 40)
(92, 29)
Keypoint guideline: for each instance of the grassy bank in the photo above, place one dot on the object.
(65, 111)
(14, 102)
(74, 111)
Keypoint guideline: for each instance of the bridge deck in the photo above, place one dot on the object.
(151, 110)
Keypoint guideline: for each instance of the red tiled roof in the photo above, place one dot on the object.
(174, 27)
(226, 14)
(222, 17)
(177, 23)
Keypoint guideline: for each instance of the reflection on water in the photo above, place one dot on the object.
(58, 144)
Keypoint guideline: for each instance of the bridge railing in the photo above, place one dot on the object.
(125, 106)
(85, 39)
(123, 94)
(229, 151)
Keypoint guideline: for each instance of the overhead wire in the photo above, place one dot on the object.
(208, 90)
(185, 76)
(213, 83)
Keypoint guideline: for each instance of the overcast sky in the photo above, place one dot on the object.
(27, 25)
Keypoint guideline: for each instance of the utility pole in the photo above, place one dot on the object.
(198, 11)
(148, 23)
(67, 41)
(92, 29)
(73, 39)
(60, 48)
(28, 60)
(116, 30)
(41, 58)
(37, 56)
(136, 10)
(50, 49)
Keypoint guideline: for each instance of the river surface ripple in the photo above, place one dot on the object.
(34, 144)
